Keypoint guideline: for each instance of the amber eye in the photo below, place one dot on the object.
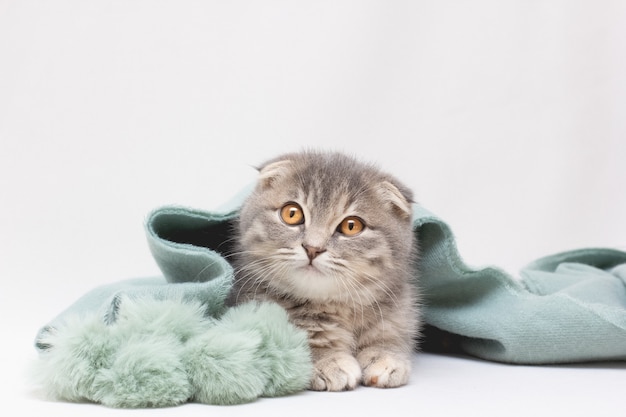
(292, 214)
(351, 226)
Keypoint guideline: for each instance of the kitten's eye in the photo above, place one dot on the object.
(351, 226)
(292, 214)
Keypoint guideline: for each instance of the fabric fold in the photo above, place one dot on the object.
(567, 307)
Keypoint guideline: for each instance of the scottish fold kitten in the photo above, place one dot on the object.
(330, 239)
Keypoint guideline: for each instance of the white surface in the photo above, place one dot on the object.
(506, 118)
(441, 386)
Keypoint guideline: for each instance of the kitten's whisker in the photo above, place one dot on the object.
(255, 274)
(371, 279)
(354, 286)
(196, 277)
(253, 271)
(380, 314)
(383, 287)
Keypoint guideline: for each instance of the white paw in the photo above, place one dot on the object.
(339, 372)
(384, 370)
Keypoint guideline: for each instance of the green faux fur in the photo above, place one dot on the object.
(162, 353)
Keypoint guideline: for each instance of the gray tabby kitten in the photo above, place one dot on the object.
(330, 239)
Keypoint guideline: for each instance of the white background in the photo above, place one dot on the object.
(507, 118)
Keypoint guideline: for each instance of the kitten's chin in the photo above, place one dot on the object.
(310, 283)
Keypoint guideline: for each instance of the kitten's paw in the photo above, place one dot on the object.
(384, 370)
(339, 372)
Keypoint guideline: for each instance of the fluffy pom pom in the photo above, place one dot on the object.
(225, 366)
(163, 353)
(284, 347)
(146, 372)
(181, 319)
(78, 349)
(133, 362)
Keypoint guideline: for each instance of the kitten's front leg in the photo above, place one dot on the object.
(335, 367)
(332, 348)
(335, 371)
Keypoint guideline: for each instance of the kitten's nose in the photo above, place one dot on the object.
(312, 252)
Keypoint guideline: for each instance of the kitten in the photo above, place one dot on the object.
(330, 239)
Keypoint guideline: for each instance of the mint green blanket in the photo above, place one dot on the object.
(568, 307)
(175, 333)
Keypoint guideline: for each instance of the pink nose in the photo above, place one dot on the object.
(312, 252)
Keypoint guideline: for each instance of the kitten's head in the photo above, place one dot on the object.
(323, 226)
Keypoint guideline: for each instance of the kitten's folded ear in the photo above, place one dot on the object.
(269, 173)
(398, 198)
